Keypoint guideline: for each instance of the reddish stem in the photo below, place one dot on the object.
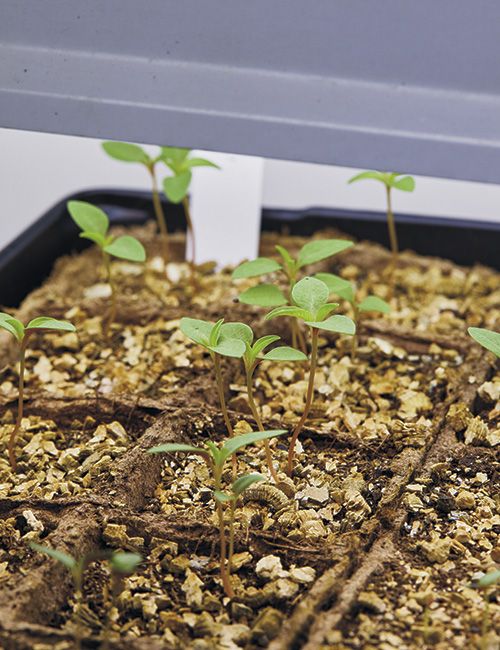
(309, 396)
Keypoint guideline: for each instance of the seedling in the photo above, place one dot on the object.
(134, 154)
(251, 358)
(269, 295)
(120, 563)
(215, 459)
(390, 180)
(310, 298)
(176, 187)
(344, 289)
(483, 584)
(94, 224)
(238, 487)
(220, 340)
(22, 335)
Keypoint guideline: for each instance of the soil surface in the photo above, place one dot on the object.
(392, 512)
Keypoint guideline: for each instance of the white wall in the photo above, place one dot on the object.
(37, 170)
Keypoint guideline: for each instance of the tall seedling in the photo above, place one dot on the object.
(310, 298)
(132, 153)
(22, 335)
(390, 180)
(176, 188)
(95, 224)
(121, 563)
(215, 459)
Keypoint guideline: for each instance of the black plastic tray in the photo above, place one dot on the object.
(26, 261)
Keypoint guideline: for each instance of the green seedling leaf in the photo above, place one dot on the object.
(379, 176)
(174, 155)
(315, 251)
(488, 339)
(47, 323)
(487, 580)
(406, 184)
(230, 348)
(374, 303)
(334, 282)
(290, 310)
(285, 353)
(263, 295)
(127, 248)
(233, 444)
(126, 152)
(197, 330)
(126, 563)
(244, 482)
(286, 256)
(175, 187)
(239, 331)
(263, 342)
(88, 217)
(13, 326)
(64, 558)
(199, 162)
(310, 294)
(223, 497)
(337, 323)
(347, 294)
(253, 268)
(175, 446)
(324, 310)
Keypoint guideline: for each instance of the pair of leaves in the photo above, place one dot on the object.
(389, 179)
(226, 339)
(488, 339)
(310, 296)
(17, 329)
(238, 487)
(176, 186)
(120, 562)
(268, 295)
(95, 224)
(215, 456)
(236, 340)
(343, 288)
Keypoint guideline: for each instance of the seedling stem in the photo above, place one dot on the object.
(160, 216)
(222, 400)
(309, 396)
(192, 265)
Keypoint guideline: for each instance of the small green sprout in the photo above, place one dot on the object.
(176, 187)
(310, 298)
(488, 339)
(132, 153)
(269, 295)
(390, 180)
(121, 563)
(94, 224)
(22, 335)
(483, 584)
(343, 289)
(238, 487)
(215, 459)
